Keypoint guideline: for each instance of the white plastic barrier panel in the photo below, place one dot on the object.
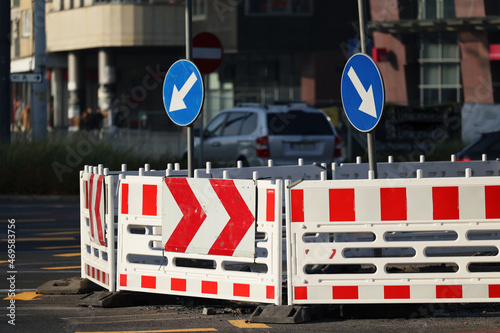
(199, 237)
(97, 216)
(394, 241)
(409, 169)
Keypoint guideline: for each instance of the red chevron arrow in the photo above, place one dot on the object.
(193, 215)
(241, 218)
(95, 208)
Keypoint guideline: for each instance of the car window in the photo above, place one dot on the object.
(233, 123)
(300, 123)
(249, 124)
(214, 128)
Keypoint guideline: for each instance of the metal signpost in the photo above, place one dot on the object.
(183, 91)
(362, 92)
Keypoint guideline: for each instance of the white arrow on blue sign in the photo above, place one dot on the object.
(362, 92)
(183, 92)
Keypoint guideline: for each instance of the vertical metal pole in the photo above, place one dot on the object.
(5, 71)
(189, 52)
(370, 136)
(39, 100)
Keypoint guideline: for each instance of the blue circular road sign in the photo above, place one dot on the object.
(362, 92)
(183, 92)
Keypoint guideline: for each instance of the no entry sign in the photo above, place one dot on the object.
(207, 52)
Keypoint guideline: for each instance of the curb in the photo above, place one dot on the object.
(39, 198)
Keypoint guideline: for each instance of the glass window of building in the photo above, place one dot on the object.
(26, 23)
(440, 80)
(436, 9)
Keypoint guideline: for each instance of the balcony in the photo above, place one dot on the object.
(115, 25)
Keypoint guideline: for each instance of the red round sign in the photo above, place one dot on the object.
(207, 52)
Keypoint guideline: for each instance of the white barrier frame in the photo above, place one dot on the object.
(383, 287)
(158, 273)
(98, 261)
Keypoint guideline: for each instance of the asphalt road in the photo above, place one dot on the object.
(47, 248)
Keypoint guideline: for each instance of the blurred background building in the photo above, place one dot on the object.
(112, 55)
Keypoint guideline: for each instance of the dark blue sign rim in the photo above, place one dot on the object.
(166, 106)
(382, 86)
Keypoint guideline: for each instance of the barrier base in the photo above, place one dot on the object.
(106, 299)
(273, 314)
(75, 285)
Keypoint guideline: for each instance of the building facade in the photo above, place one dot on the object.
(113, 54)
(437, 51)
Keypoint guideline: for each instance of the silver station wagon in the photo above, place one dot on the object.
(254, 133)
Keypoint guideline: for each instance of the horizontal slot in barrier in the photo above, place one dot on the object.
(421, 268)
(421, 236)
(461, 251)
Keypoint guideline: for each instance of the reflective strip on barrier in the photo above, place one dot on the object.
(147, 267)
(97, 224)
(393, 240)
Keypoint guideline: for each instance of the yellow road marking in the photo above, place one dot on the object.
(59, 233)
(27, 296)
(161, 331)
(246, 324)
(3, 261)
(57, 247)
(67, 255)
(62, 267)
(43, 239)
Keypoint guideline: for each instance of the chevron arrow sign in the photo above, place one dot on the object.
(96, 201)
(209, 216)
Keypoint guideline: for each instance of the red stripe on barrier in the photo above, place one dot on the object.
(494, 290)
(445, 203)
(93, 272)
(124, 198)
(297, 198)
(396, 292)
(148, 282)
(91, 211)
(209, 287)
(270, 197)
(123, 280)
(492, 200)
(300, 292)
(449, 292)
(393, 204)
(98, 275)
(341, 204)
(99, 222)
(241, 218)
(149, 194)
(345, 292)
(193, 215)
(241, 289)
(270, 292)
(178, 284)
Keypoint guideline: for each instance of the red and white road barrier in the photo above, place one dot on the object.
(396, 169)
(198, 237)
(97, 224)
(394, 240)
